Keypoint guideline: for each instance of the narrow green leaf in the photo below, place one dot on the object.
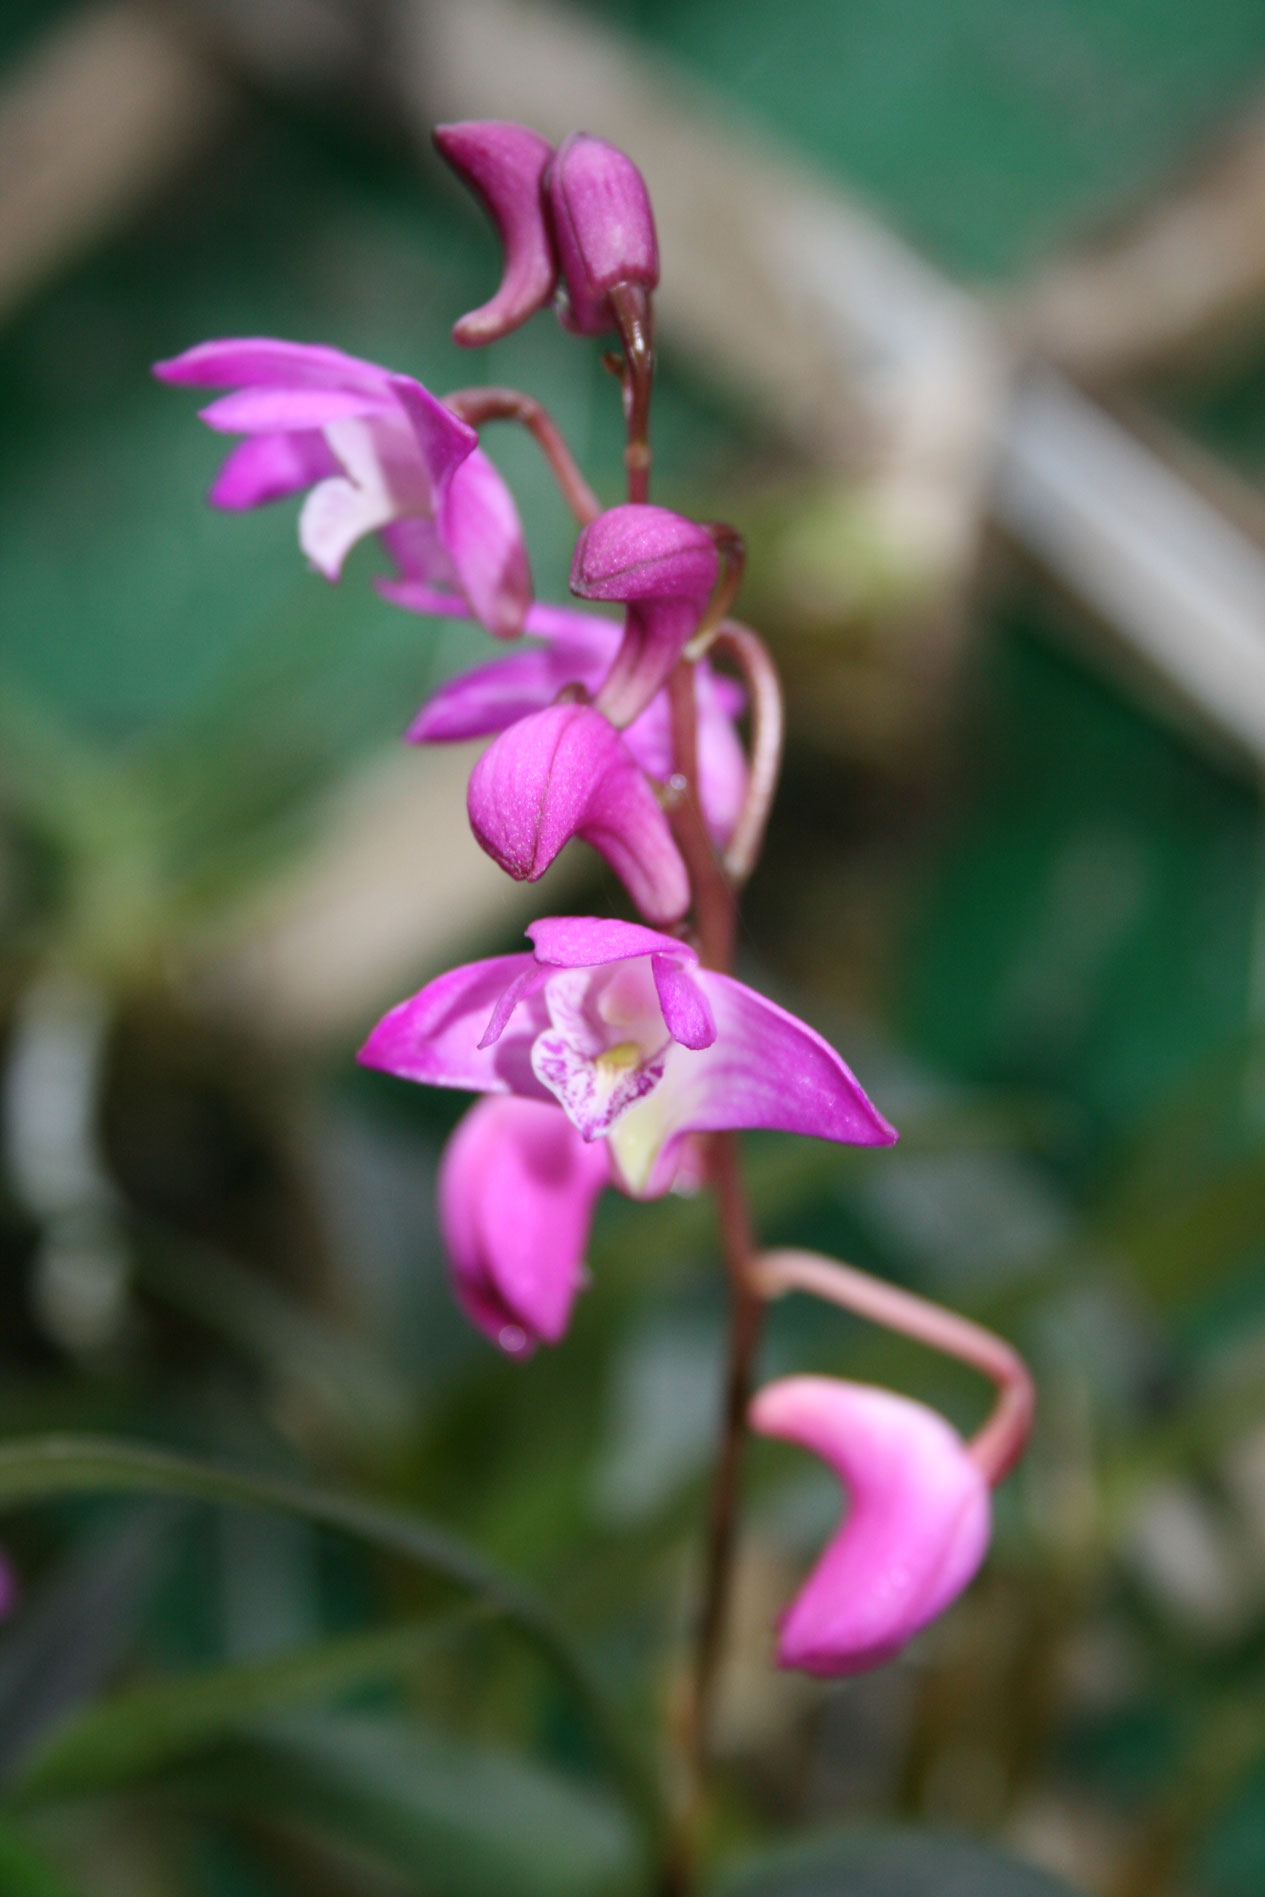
(138, 1733)
(458, 1820)
(40, 1468)
(889, 1864)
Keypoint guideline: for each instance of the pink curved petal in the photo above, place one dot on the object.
(517, 1189)
(504, 164)
(434, 1037)
(603, 226)
(916, 1531)
(270, 468)
(266, 411)
(664, 568)
(765, 1068)
(483, 536)
(256, 361)
(687, 1013)
(595, 941)
(563, 773)
(443, 441)
(486, 699)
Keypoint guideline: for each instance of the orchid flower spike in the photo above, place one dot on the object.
(603, 230)
(638, 1044)
(578, 649)
(566, 772)
(379, 454)
(517, 1188)
(505, 166)
(917, 1527)
(663, 567)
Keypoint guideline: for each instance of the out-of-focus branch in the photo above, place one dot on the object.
(98, 116)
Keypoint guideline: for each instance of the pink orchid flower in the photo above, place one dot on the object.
(517, 1188)
(579, 216)
(918, 1522)
(637, 1043)
(663, 567)
(578, 649)
(566, 772)
(379, 454)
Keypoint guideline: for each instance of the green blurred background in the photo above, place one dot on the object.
(1015, 878)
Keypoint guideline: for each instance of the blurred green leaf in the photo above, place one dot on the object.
(67, 1640)
(24, 1872)
(44, 1467)
(140, 1732)
(890, 1864)
(464, 1820)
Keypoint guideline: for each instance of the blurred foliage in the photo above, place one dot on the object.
(1041, 950)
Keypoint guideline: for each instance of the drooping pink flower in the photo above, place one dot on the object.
(637, 1043)
(566, 772)
(917, 1526)
(517, 1188)
(505, 166)
(579, 649)
(580, 214)
(663, 567)
(379, 454)
(603, 229)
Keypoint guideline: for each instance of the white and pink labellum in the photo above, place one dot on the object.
(378, 454)
(566, 772)
(663, 567)
(638, 1044)
(505, 166)
(517, 1190)
(916, 1530)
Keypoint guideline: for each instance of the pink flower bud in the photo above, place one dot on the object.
(505, 165)
(517, 1188)
(917, 1527)
(603, 227)
(664, 568)
(566, 772)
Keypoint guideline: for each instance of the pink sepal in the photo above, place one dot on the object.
(916, 1531)
(504, 164)
(517, 1189)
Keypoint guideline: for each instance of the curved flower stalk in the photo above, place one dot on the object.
(916, 1530)
(639, 1045)
(578, 650)
(663, 568)
(379, 454)
(517, 1188)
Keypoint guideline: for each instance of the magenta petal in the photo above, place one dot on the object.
(566, 772)
(504, 165)
(444, 441)
(687, 1012)
(483, 536)
(603, 226)
(488, 698)
(434, 1037)
(595, 941)
(254, 361)
(517, 1189)
(266, 411)
(664, 568)
(917, 1527)
(270, 468)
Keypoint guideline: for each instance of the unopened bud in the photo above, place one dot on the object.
(603, 228)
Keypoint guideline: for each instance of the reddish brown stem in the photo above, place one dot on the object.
(1000, 1443)
(477, 406)
(634, 315)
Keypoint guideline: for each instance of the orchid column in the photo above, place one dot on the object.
(616, 1053)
